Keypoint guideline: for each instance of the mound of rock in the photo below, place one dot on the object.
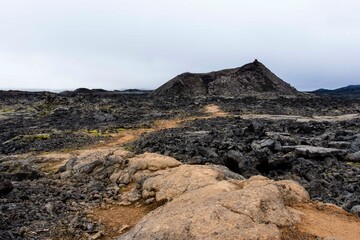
(250, 79)
(209, 202)
(213, 209)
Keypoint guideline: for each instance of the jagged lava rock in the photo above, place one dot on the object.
(353, 157)
(252, 78)
(5, 187)
(312, 151)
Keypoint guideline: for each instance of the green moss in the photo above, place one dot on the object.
(126, 188)
(69, 149)
(354, 164)
(7, 110)
(36, 137)
(40, 137)
(44, 113)
(129, 148)
(98, 133)
(94, 132)
(119, 130)
(49, 168)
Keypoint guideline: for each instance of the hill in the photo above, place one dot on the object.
(251, 79)
(348, 91)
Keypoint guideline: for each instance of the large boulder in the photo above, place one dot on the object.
(206, 203)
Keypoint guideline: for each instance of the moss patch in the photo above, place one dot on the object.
(97, 133)
(129, 148)
(354, 164)
(40, 137)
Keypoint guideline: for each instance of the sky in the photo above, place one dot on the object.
(120, 44)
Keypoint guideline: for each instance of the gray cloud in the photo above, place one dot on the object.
(142, 44)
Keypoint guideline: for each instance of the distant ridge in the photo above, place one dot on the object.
(250, 79)
(99, 91)
(348, 91)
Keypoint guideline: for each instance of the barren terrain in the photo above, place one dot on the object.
(101, 167)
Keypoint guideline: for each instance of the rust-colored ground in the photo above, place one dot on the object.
(129, 135)
(214, 111)
(119, 219)
(328, 221)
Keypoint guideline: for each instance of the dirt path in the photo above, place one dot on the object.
(210, 111)
(214, 111)
(119, 219)
(126, 136)
(54, 160)
(51, 162)
(328, 221)
(298, 118)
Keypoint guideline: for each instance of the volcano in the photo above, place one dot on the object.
(251, 79)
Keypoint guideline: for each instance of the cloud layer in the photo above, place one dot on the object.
(141, 44)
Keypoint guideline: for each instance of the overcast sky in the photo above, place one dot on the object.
(118, 44)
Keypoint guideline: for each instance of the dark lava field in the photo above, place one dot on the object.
(314, 140)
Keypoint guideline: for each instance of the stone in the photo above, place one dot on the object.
(315, 152)
(233, 159)
(96, 236)
(355, 145)
(353, 157)
(339, 144)
(149, 201)
(202, 205)
(153, 162)
(5, 187)
(355, 210)
(234, 155)
(124, 177)
(266, 143)
(174, 182)
(207, 152)
(147, 194)
(49, 208)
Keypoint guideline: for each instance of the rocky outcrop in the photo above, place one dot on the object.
(250, 79)
(202, 201)
(210, 202)
(205, 205)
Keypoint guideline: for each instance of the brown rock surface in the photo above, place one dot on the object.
(203, 205)
(153, 162)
